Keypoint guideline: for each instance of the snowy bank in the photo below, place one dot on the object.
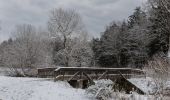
(15, 88)
(12, 88)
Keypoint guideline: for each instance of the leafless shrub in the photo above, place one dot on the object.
(158, 70)
(26, 52)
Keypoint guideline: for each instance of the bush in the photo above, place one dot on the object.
(19, 72)
(102, 90)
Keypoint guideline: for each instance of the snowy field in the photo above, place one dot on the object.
(12, 88)
(142, 83)
(15, 88)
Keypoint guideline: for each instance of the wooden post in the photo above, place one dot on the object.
(89, 78)
(96, 75)
(103, 75)
(107, 75)
(81, 75)
(55, 76)
(74, 75)
(63, 76)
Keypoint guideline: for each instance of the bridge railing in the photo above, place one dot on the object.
(54, 72)
(46, 72)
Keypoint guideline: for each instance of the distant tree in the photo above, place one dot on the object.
(56, 45)
(163, 3)
(96, 47)
(82, 54)
(3, 46)
(26, 51)
(109, 52)
(64, 23)
(135, 39)
(78, 53)
(137, 18)
(158, 69)
(72, 47)
(123, 44)
(160, 26)
(134, 51)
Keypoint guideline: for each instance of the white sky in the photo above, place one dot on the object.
(96, 14)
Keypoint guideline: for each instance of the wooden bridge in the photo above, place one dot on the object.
(66, 73)
(82, 77)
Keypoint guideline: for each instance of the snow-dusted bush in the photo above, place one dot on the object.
(132, 96)
(102, 90)
(29, 49)
(158, 70)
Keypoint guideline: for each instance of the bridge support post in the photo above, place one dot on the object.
(103, 75)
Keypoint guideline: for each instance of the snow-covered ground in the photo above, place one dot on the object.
(15, 88)
(12, 88)
(145, 84)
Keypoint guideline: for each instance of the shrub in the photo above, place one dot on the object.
(102, 90)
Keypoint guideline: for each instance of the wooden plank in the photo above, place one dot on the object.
(89, 78)
(121, 75)
(91, 69)
(74, 75)
(63, 76)
(103, 75)
(46, 72)
(52, 72)
(111, 76)
(123, 84)
(100, 70)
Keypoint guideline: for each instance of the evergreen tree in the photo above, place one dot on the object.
(159, 30)
(133, 48)
(137, 18)
(96, 47)
(105, 49)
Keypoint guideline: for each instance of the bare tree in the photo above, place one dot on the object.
(27, 51)
(158, 70)
(81, 54)
(67, 25)
(78, 53)
(64, 23)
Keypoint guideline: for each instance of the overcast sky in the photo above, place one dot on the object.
(96, 14)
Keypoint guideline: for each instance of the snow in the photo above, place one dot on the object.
(103, 89)
(145, 84)
(103, 82)
(13, 88)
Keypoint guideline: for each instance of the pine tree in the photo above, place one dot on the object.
(109, 41)
(134, 51)
(159, 30)
(137, 18)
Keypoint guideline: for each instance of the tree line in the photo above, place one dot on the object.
(134, 42)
